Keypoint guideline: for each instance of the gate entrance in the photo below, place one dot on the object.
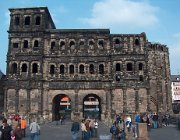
(92, 106)
(61, 107)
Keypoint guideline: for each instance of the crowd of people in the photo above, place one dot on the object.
(13, 127)
(124, 124)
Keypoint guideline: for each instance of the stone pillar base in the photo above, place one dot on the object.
(142, 131)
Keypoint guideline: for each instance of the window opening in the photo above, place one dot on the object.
(38, 20)
(62, 44)
(101, 69)
(71, 69)
(81, 69)
(14, 68)
(53, 44)
(27, 20)
(137, 42)
(140, 66)
(35, 68)
(141, 78)
(36, 43)
(25, 44)
(15, 45)
(91, 69)
(118, 67)
(62, 69)
(101, 43)
(117, 42)
(24, 68)
(52, 69)
(129, 67)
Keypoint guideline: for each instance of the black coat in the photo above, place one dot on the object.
(75, 126)
(6, 132)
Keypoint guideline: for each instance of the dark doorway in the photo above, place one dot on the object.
(92, 106)
(61, 107)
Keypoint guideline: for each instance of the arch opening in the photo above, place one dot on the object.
(92, 106)
(61, 107)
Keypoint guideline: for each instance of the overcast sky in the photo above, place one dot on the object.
(159, 19)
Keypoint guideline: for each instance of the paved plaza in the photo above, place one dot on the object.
(51, 131)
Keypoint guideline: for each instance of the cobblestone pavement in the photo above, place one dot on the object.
(51, 131)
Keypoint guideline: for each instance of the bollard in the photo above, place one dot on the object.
(142, 131)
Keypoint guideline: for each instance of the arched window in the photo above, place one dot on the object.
(52, 69)
(81, 69)
(38, 20)
(72, 44)
(27, 20)
(25, 45)
(17, 20)
(35, 68)
(14, 68)
(24, 67)
(71, 69)
(117, 42)
(118, 67)
(91, 43)
(129, 67)
(15, 45)
(91, 69)
(81, 43)
(140, 66)
(62, 44)
(36, 43)
(137, 42)
(53, 44)
(101, 69)
(61, 69)
(141, 78)
(101, 43)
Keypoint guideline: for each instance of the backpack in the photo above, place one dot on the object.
(113, 129)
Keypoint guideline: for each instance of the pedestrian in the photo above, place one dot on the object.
(92, 127)
(23, 126)
(6, 131)
(128, 123)
(34, 130)
(75, 130)
(13, 136)
(84, 131)
(18, 132)
(96, 128)
(155, 120)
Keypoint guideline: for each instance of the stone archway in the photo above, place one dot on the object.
(92, 106)
(61, 107)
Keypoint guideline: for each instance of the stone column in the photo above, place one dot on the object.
(28, 105)
(17, 100)
(136, 101)
(148, 99)
(124, 101)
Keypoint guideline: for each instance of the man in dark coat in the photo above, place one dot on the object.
(6, 131)
(75, 130)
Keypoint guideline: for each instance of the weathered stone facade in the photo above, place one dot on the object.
(125, 72)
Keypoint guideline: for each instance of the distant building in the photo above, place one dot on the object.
(175, 87)
(82, 72)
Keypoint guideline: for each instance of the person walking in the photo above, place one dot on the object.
(18, 133)
(75, 130)
(6, 130)
(96, 128)
(23, 126)
(34, 130)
